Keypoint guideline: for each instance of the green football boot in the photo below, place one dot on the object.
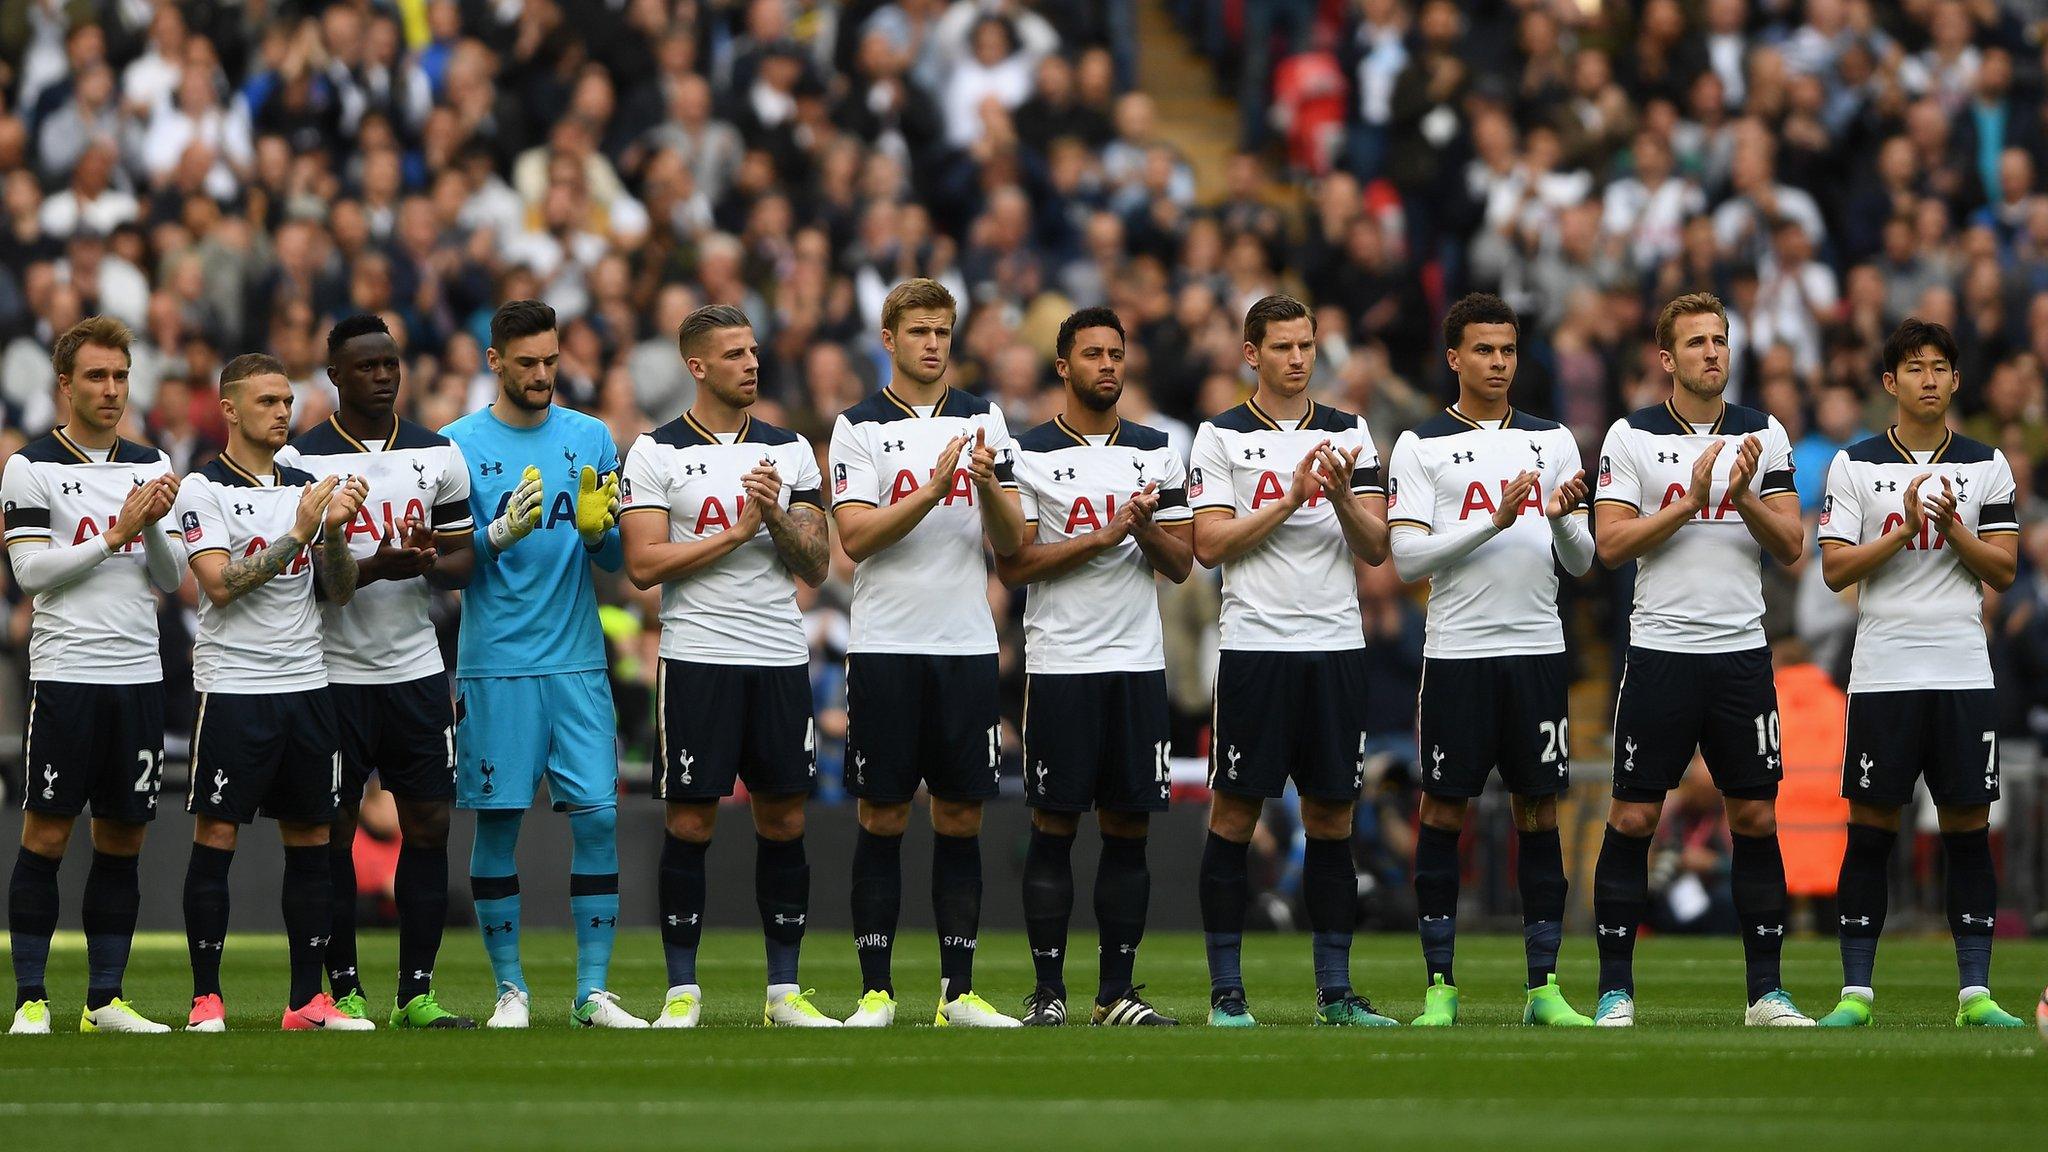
(1353, 1011)
(1439, 1005)
(1231, 1011)
(423, 1011)
(353, 1005)
(1981, 1011)
(1852, 1012)
(1547, 1008)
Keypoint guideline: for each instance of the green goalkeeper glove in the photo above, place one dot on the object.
(597, 505)
(522, 512)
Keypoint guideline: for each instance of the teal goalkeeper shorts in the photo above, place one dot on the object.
(512, 730)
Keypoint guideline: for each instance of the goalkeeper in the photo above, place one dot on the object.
(531, 694)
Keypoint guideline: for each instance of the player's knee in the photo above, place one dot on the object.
(1129, 825)
(1061, 823)
(117, 837)
(215, 833)
(956, 817)
(1534, 814)
(1752, 817)
(1234, 818)
(1323, 820)
(779, 819)
(301, 835)
(884, 819)
(425, 825)
(692, 822)
(1444, 813)
(1971, 819)
(1635, 820)
(45, 835)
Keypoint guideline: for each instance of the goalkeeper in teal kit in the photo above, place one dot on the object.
(532, 696)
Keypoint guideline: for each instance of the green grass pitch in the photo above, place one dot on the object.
(1689, 1077)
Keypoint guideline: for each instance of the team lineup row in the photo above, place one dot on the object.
(316, 665)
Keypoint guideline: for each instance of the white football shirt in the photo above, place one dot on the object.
(1447, 474)
(269, 640)
(1296, 591)
(1920, 617)
(101, 627)
(742, 609)
(1104, 615)
(383, 635)
(1701, 590)
(928, 592)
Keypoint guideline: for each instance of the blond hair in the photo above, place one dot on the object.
(920, 295)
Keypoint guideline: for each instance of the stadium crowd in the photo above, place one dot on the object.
(230, 177)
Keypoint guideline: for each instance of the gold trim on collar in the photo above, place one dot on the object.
(938, 408)
(1273, 424)
(1506, 421)
(1948, 438)
(229, 462)
(710, 437)
(389, 440)
(1060, 421)
(1720, 418)
(72, 447)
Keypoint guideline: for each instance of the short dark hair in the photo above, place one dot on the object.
(1096, 317)
(706, 320)
(350, 327)
(1477, 308)
(1911, 336)
(250, 364)
(1270, 309)
(520, 318)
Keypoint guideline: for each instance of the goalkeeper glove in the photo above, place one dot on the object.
(597, 505)
(522, 512)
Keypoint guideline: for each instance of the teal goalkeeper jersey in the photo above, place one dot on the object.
(532, 610)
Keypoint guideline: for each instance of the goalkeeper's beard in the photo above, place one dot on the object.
(532, 398)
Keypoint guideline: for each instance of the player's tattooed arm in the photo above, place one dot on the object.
(226, 581)
(802, 540)
(335, 569)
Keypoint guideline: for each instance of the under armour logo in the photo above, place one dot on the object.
(604, 921)
(1629, 746)
(1863, 761)
(72, 489)
(420, 475)
(1538, 450)
(1771, 763)
(1232, 756)
(1041, 770)
(1434, 919)
(684, 758)
(1667, 457)
(494, 468)
(49, 782)
(892, 445)
(1046, 953)
(491, 930)
(1617, 930)
(1885, 486)
(417, 974)
(1770, 929)
(245, 509)
(1063, 473)
(1464, 457)
(1436, 756)
(1255, 453)
(1984, 920)
(220, 781)
(1857, 921)
(210, 945)
(675, 921)
(696, 469)
(781, 919)
(319, 941)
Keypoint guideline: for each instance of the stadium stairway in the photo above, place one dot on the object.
(1193, 119)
